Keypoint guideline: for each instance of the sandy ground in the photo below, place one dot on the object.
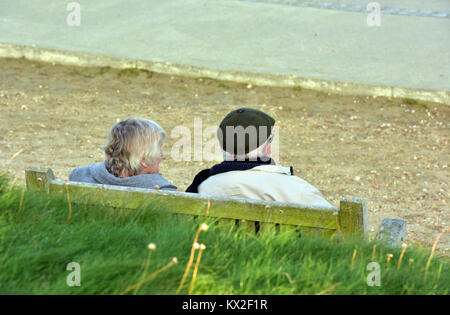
(392, 152)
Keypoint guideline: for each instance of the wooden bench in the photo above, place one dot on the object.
(253, 215)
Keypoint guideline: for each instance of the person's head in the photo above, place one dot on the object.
(246, 134)
(134, 147)
(263, 153)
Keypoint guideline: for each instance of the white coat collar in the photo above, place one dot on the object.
(273, 169)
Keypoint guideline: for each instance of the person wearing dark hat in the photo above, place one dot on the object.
(248, 171)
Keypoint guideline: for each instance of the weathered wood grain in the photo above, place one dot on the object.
(258, 215)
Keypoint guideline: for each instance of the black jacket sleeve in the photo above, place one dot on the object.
(198, 179)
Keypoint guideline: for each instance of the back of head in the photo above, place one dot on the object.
(130, 142)
(244, 131)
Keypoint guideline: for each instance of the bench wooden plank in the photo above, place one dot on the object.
(38, 179)
(351, 217)
(178, 202)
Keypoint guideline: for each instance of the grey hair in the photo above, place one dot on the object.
(131, 141)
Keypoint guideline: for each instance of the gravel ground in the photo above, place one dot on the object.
(393, 152)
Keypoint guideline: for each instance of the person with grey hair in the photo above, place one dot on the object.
(132, 157)
(248, 171)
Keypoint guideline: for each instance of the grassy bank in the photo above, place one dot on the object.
(37, 242)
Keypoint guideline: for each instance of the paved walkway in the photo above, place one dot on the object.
(320, 42)
(429, 8)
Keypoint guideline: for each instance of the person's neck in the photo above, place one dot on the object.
(147, 170)
(259, 160)
(151, 169)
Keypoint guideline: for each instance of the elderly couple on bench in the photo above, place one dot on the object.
(134, 151)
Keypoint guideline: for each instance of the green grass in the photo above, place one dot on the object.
(298, 88)
(76, 72)
(36, 244)
(131, 72)
(134, 72)
(410, 101)
(223, 85)
(103, 70)
(147, 72)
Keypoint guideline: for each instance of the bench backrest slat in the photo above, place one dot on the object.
(350, 218)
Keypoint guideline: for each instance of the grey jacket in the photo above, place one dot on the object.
(97, 173)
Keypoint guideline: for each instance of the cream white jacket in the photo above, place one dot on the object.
(266, 182)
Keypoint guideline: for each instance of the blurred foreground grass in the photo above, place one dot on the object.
(110, 245)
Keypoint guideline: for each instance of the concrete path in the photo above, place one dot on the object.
(315, 42)
(429, 8)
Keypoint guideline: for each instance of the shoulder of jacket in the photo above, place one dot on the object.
(272, 169)
(77, 171)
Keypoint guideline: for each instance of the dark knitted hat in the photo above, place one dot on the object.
(243, 130)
